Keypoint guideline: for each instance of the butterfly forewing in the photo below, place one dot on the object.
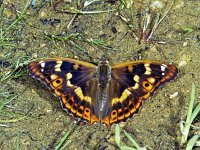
(130, 84)
(73, 81)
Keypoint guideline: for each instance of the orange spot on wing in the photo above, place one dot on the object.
(113, 116)
(74, 108)
(151, 80)
(76, 66)
(94, 119)
(137, 105)
(57, 92)
(57, 82)
(64, 100)
(148, 86)
(80, 111)
(126, 112)
(147, 95)
(106, 121)
(86, 114)
(120, 114)
(70, 102)
(131, 106)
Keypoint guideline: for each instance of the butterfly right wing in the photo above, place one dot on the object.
(130, 84)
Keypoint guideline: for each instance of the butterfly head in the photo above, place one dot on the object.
(104, 60)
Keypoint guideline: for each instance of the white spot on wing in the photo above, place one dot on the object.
(42, 64)
(163, 67)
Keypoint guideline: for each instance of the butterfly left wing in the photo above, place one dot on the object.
(73, 81)
(130, 84)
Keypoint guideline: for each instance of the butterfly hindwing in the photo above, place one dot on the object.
(130, 84)
(73, 81)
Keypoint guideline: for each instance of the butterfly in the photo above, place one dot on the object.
(102, 93)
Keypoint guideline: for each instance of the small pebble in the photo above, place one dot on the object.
(122, 124)
(185, 43)
(182, 63)
(48, 111)
(173, 95)
(157, 5)
(43, 14)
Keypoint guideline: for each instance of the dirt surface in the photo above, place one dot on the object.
(38, 35)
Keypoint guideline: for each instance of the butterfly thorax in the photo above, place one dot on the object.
(104, 70)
